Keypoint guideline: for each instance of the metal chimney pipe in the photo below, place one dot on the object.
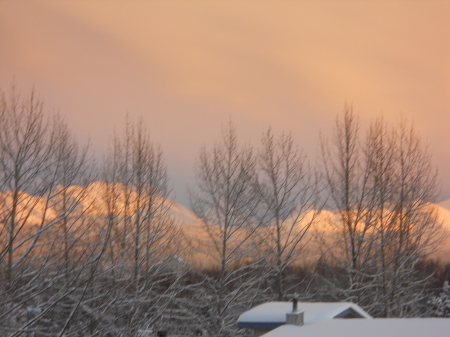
(294, 305)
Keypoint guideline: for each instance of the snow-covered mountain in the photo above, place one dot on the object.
(443, 253)
(92, 198)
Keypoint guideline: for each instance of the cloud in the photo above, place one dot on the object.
(188, 67)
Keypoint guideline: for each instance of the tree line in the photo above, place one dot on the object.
(96, 250)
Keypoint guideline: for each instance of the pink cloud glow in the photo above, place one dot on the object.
(188, 67)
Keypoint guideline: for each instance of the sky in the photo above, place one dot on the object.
(189, 67)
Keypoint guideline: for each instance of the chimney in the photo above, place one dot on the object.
(295, 317)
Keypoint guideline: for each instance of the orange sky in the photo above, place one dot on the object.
(187, 67)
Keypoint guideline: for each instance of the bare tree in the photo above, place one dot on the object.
(25, 152)
(289, 190)
(39, 161)
(383, 193)
(26, 149)
(226, 202)
(143, 268)
(407, 224)
(346, 179)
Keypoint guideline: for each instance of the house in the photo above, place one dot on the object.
(308, 319)
(268, 316)
(377, 327)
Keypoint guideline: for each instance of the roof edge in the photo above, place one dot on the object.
(260, 325)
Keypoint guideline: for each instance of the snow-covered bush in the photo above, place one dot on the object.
(440, 305)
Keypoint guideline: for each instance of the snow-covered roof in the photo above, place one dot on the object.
(273, 314)
(379, 327)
